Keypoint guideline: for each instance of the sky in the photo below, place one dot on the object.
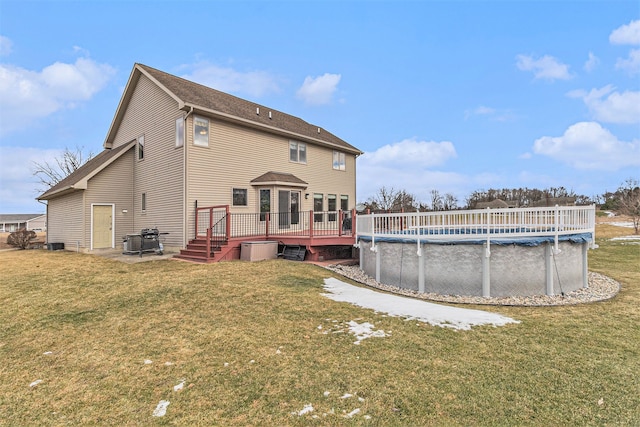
(454, 96)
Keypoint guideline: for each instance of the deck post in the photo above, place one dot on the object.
(340, 221)
(310, 224)
(208, 243)
(267, 218)
(228, 222)
(353, 222)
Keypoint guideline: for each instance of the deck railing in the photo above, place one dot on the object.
(297, 224)
(489, 224)
(217, 224)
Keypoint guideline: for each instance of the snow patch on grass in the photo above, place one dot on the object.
(161, 409)
(412, 309)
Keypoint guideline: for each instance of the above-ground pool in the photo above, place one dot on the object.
(489, 252)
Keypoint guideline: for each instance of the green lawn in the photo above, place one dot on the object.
(244, 340)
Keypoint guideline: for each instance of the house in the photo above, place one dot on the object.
(205, 166)
(13, 222)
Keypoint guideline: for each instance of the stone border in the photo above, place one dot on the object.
(601, 288)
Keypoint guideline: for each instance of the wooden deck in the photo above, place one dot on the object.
(219, 234)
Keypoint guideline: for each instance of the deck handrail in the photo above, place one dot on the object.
(489, 224)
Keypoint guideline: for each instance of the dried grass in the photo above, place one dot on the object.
(245, 338)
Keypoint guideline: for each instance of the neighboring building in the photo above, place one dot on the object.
(13, 222)
(175, 147)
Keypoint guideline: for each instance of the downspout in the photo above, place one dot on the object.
(46, 223)
(185, 222)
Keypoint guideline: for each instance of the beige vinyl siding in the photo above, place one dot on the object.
(236, 155)
(39, 223)
(65, 215)
(119, 175)
(153, 113)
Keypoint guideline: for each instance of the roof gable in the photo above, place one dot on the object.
(78, 179)
(205, 100)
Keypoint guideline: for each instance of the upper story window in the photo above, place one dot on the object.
(239, 197)
(141, 147)
(179, 132)
(297, 152)
(200, 131)
(339, 161)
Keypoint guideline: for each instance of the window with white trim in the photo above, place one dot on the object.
(344, 202)
(339, 161)
(141, 147)
(200, 131)
(297, 152)
(239, 197)
(265, 203)
(143, 202)
(179, 132)
(332, 206)
(318, 207)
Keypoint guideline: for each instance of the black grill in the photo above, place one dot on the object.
(149, 233)
(147, 241)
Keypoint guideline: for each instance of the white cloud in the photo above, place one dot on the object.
(6, 46)
(587, 145)
(631, 64)
(405, 166)
(626, 34)
(225, 79)
(592, 62)
(319, 90)
(546, 67)
(19, 187)
(609, 106)
(26, 95)
(411, 151)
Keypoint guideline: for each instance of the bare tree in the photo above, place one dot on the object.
(449, 202)
(436, 200)
(49, 174)
(629, 201)
(389, 199)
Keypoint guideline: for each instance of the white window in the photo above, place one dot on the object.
(179, 132)
(318, 206)
(339, 161)
(239, 197)
(297, 152)
(332, 206)
(200, 131)
(144, 202)
(141, 147)
(265, 203)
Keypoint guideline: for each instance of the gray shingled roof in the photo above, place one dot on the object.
(84, 171)
(18, 217)
(271, 177)
(206, 98)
